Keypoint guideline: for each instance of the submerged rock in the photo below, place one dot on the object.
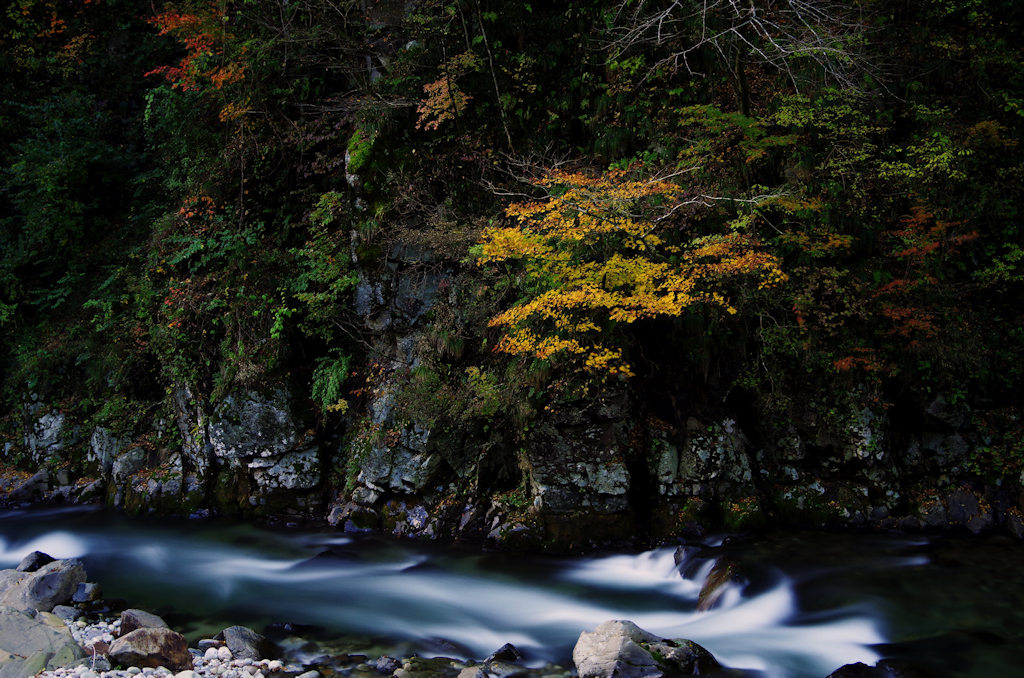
(621, 649)
(724, 573)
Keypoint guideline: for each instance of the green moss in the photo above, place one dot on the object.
(360, 150)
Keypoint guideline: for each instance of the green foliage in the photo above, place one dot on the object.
(328, 381)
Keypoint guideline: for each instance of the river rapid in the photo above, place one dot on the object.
(814, 601)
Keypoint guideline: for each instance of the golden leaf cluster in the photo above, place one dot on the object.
(603, 250)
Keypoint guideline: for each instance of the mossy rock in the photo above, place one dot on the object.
(743, 515)
(681, 517)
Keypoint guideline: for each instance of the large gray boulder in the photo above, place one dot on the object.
(31, 642)
(621, 649)
(52, 584)
(151, 648)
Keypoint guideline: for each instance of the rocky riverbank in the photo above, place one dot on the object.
(591, 476)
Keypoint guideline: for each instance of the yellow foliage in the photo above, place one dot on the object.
(600, 250)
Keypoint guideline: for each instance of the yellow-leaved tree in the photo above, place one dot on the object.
(603, 250)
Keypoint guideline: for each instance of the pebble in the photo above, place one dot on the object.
(214, 660)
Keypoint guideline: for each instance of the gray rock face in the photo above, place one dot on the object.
(33, 642)
(621, 649)
(128, 464)
(151, 647)
(104, 447)
(713, 455)
(398, 467)
(51, 585)
(45, 437)
(298, 470)
(579, 466)
(253, 426)
(192, 424)
(140, 619)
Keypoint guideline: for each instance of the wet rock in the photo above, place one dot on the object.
(244, 643)
(33, 562)
(31, 642)
(472, 672)
(505, 670)
(33, 488)
(621, 649)
(388, 664)
(506, 653)
(139, 619)
(965, 508)
(723, 574)
(931, 511)
(354, 518)
(52, 584)
(152, 647)
(87, 592)
(887, 668)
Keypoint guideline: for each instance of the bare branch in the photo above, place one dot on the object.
(830, 36)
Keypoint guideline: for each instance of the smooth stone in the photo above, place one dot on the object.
(139, 619)
(152, 647)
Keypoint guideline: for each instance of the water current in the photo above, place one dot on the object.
(813, 600)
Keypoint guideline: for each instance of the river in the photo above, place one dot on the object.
(814, 601)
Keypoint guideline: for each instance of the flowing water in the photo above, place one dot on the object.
(813, 601)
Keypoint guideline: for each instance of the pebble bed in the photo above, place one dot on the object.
(214, 660)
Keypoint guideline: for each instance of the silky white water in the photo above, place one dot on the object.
(451, 601)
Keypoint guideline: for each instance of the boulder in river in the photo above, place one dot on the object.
(140, 619)
(51, 585)
(151, 648)
(31, 642)
(723, 575)
(621, 649)
(245, 643)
